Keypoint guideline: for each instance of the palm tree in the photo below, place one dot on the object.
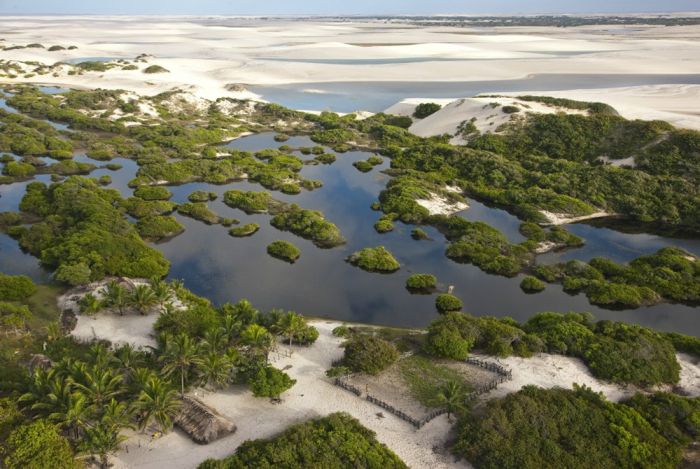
(102, 440)
(143, 298)
(75, 417)
(161, 291)
(53, 331)
(180, 355)
(118, 414)
(100, 386)
(90, 304)
(157, 401)
(290, 325)
(127, 358)
(215, 370)
(50, 393)
(116, 296)
(258, 339)
(140, 378)
(215, 339)
(232, 327)
(451, 396)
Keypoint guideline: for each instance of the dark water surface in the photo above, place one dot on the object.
(321, 283)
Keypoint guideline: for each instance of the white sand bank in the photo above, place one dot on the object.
(564, 219)
(439, 205)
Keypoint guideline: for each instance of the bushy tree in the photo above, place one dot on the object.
(369, 354)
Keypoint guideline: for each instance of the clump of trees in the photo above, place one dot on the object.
(421, 283)
(314, 444)
(530, 284)
(199, 211)
(369, 354)
(423, 110)
(446, 303)
(284, 250)
(242, 231)
(565, 428)
(377, 259)
(159, 227)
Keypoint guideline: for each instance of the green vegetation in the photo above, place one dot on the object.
(426, 378)
(309, 224)
(377, 259)
(249, 201)
(81, 232)
(270, 382)
(424, 283)
(38, 445)
(248, 229)
(510, 109)
(419, 234)
(423, 110)
(198, 211)
(284, 250)
(551, 428)
(201, 196)
(139, 208)
(593, 108)
(337, 440)
(55, 48)
(446, 303)
(363, 166)
(325, 158)
(155, 69)
(16, 287)
(159, 227)
(531, 284)
(385, 224)
(152, 193)
(369, 354)
(18, 169)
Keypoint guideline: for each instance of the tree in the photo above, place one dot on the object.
(215, 369)
(102, 440)
(90, 304)
(116, 296)
(143, 298)
(369, 354)
(258, 339)
(451, 397)
(157, 401)
(291, 324)
(270, 382)
(75, 417)
(161, 291)
(446, 303)
(38, 445)
(100, 385)
(181, 354)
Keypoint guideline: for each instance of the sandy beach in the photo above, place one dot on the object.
(221, 56)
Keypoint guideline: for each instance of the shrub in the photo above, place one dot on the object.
(155, 69)
(423, 110)
(384, 225)
(18, 169)
(16, 287)
(337, 440)
(446, 303)
(510, 109)
(419, 234)
(284, 250)
(377, 259)
(55, 48)
(152, 193)
(369, 354)
(309, 224)
(248, 201)
(198, 211)
(421, 282)
(341, 331)
(159, 227)
(531, 284)
(248, 229)
(201, 196)
(325, 158)
(270, 382)
(38, 445)
(363, 166)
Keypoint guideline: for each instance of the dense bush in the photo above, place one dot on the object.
(16, 287)
(377, 259)
(248, 229)
(309, 224)
(423, 110)
(284, 250)
(152, 193)
(155, 69)
(446, 303)
(531, 284)
(249, 201)
(421, 282)
(38, 445)
(369, 354)
(337, 440)
(563, 428)
(199, 211)
(82, 231)
(270, 382)
(159, 227)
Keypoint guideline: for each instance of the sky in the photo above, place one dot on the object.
(337, 7)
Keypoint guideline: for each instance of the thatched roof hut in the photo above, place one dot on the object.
(203, 424)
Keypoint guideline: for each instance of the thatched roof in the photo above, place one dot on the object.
(203, 424)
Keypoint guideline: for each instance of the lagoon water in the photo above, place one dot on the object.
(321, 283)
(376, 96)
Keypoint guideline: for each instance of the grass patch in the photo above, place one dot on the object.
(424, 378)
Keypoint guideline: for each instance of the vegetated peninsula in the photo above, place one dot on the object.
(104, 353)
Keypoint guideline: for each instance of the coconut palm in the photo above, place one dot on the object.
(102, 440)
(231, 327)
(157, 401)
(142, 297)
(451, 396)
(118, 414)
(75, 417)
(161, 291)
(215, 340)
(127, 358)
(258, 339)
(181, 354)
(290, 324)
(90, 304)
(50, 393)
(215, 370)
(100, 386)
(53, 331)
(140, 378)
(116, 296)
